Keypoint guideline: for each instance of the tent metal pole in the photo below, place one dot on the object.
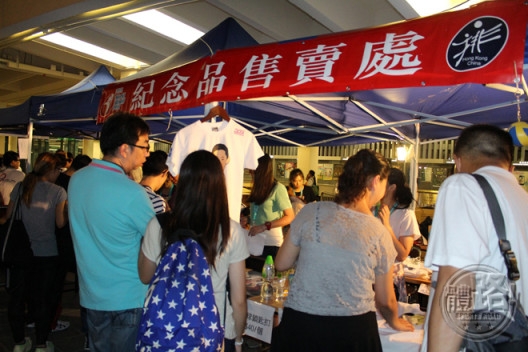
(525, 87)
(318, 113)
(413, 167)
(30, 143)
(377, 117)
(348, 136)
(424, 117)
(270, 134)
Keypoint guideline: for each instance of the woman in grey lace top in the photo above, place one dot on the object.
(342, 251)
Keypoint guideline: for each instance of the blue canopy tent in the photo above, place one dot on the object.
(77, 102)
(228, 34)
(432, 104)
(380, 115)
(368, 112)
(351, 116)
(73, 113)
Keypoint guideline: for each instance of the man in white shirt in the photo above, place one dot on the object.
(11, 175)
(463, 235)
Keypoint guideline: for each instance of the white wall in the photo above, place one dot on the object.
(92, 148)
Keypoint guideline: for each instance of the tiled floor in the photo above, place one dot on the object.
(69, 340)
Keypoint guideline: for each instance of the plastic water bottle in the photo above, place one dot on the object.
(280, 288)
(268, 272)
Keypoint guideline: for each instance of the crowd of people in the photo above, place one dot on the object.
(98, 218)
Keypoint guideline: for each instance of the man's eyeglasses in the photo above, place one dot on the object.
(147, 148)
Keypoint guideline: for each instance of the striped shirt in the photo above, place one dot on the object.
(158, 203)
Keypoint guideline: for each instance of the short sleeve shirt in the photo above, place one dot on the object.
(271, 209)
(404, 223)
(341, 253)
(236, 251)
(39, 218)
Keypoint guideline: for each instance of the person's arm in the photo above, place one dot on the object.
(146, 268)
(237, 284)
(149, 250)
(60, 214)
(287, 218)
(403, 245)
(441, 337)
(8, 213)
(287, 255)
(386, 302)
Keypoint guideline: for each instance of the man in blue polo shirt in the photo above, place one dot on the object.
(108, 215)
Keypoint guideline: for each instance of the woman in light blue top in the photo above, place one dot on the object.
(270, 205)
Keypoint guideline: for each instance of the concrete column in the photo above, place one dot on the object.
(307, 159)
(92, 148)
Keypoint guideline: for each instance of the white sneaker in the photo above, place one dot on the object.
(49, 347)
(61, 325)
(25, 347)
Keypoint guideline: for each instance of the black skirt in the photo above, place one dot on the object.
(304, 332)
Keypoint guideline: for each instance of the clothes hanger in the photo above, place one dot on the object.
(214, 112)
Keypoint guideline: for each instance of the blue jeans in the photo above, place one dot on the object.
(113, 331)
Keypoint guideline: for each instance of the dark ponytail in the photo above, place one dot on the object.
(403, 193)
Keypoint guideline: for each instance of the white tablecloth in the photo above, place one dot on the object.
(397, 341)
(414, 268)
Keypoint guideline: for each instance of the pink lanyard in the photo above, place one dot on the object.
(109, 168)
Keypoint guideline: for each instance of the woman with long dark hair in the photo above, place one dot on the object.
(42, 207)
(341, 251)
(395, 214)
(270, 206)
(200, 204)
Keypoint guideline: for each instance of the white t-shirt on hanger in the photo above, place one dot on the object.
(242, 148)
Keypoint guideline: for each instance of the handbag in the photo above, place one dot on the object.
(16, 249)
(514, 338)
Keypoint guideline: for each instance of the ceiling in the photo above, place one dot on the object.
(29, 66)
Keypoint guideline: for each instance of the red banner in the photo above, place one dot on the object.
(483, 44)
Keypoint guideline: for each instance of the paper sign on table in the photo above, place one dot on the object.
(424, 289)
(259, 323)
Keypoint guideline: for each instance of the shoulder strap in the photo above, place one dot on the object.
(493, 204)
(14, 213)
(498, 221)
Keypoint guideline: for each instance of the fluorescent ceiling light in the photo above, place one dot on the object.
(426, 8)
(165, 25)
(421, 8)
(93, 50)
